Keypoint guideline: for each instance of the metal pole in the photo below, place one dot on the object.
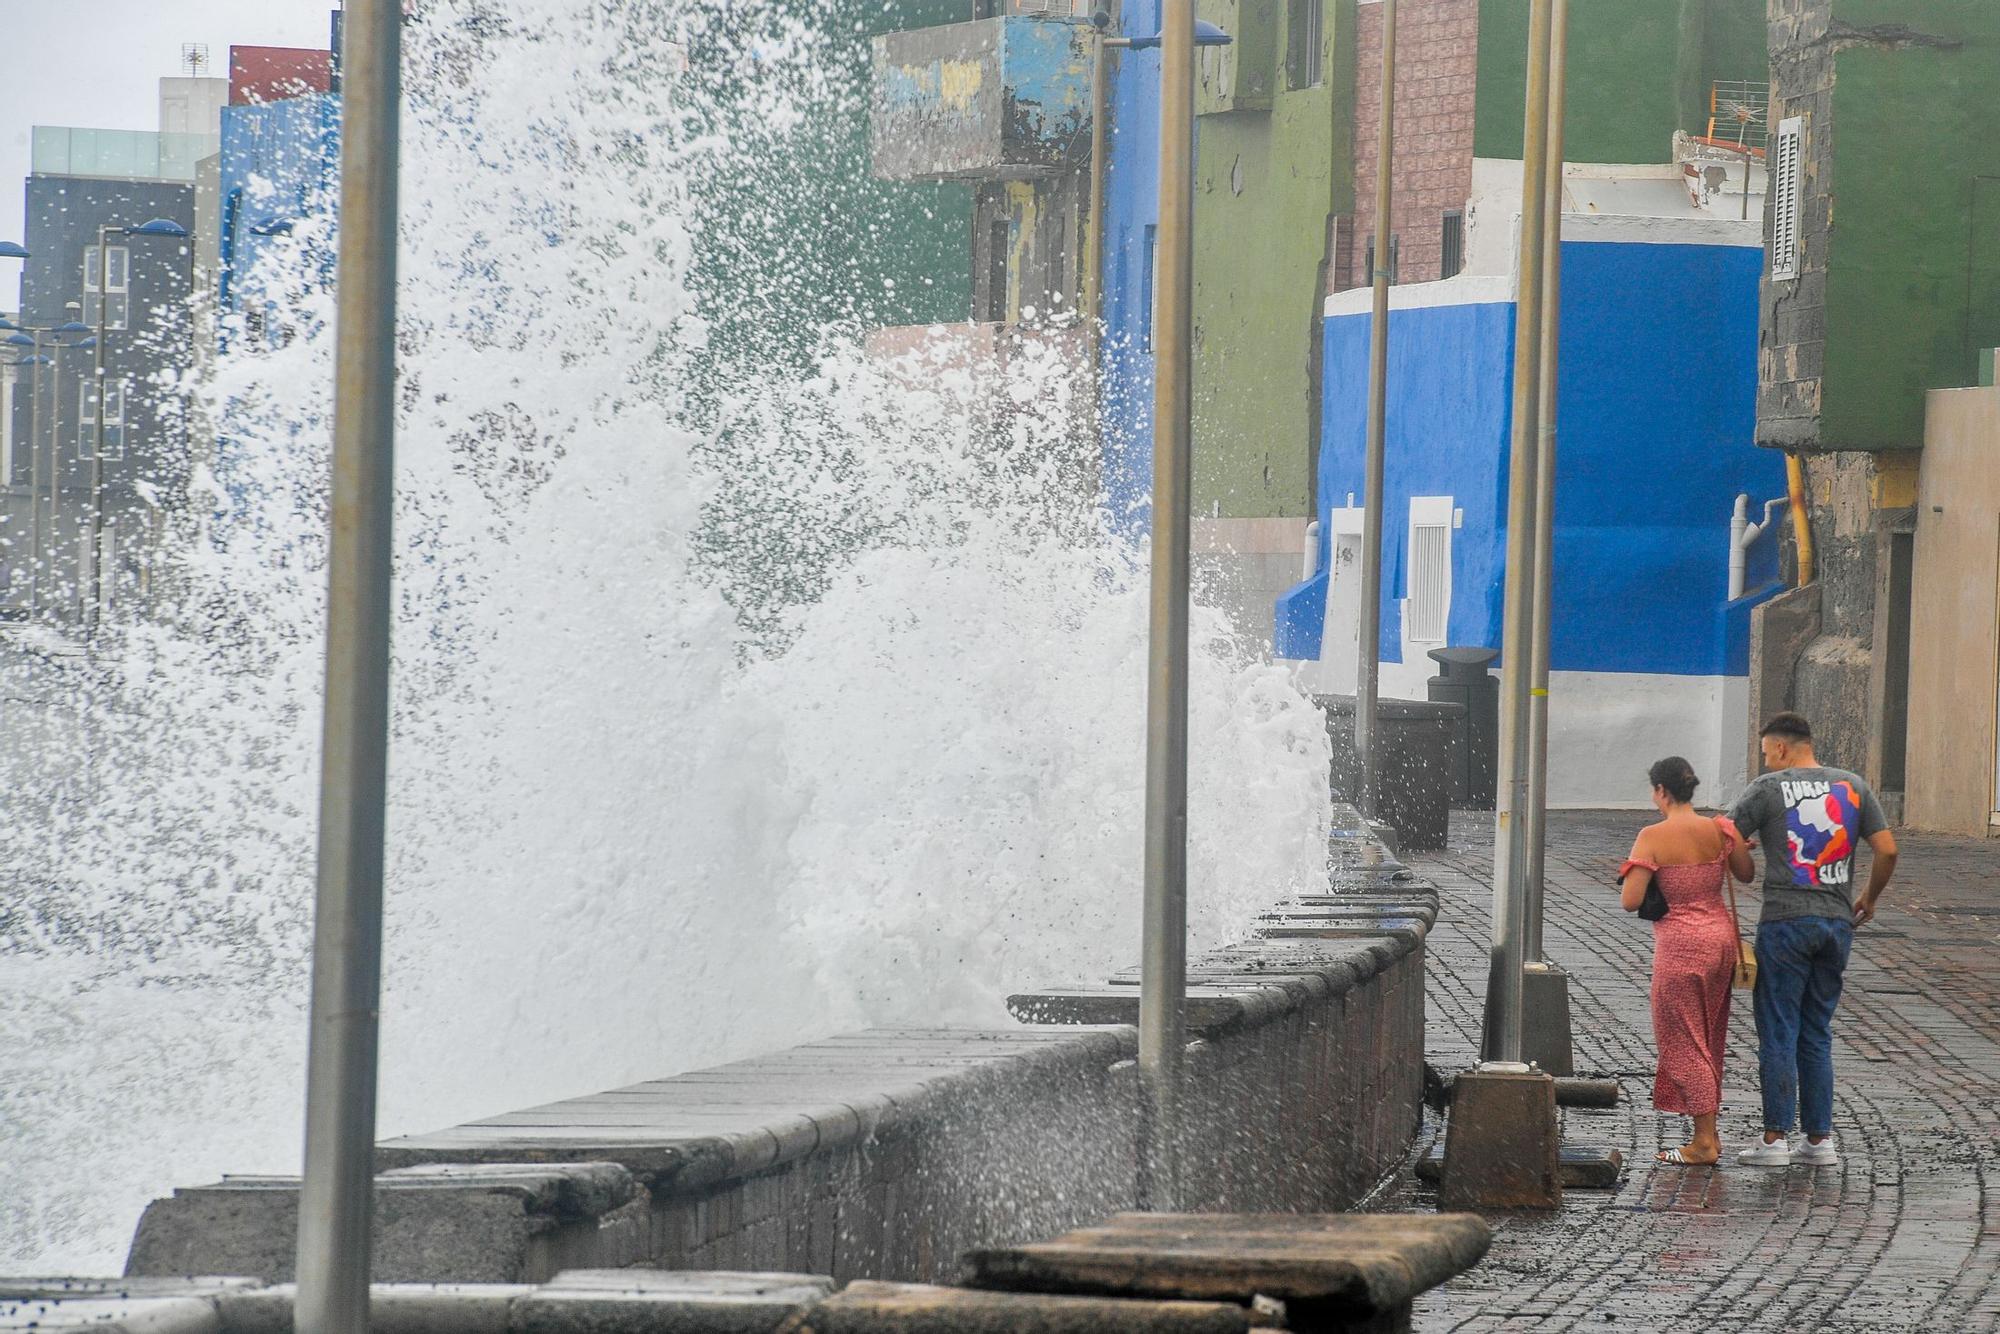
(1093, 236)
(35, 480)
(1162, 1021)
(335, 1203)
(55, 541)
(1545, 485)
(1367, 679)
(97, 446)
(1502, 1037)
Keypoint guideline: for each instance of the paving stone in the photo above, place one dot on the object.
(1903, 1235)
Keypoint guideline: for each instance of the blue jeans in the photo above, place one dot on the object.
(1800, 962)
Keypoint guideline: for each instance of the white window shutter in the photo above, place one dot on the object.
(1783, 165)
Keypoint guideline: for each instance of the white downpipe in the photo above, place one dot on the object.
(1742, 534)
(1310, 567)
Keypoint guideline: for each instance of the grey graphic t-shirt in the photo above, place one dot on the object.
(1811, 822)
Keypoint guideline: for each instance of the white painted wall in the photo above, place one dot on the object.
(192, 106)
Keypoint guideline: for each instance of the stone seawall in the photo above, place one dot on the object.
(888, 1153)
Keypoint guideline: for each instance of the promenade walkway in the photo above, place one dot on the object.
(1903, 1235)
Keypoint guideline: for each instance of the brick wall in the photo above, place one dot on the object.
(1437, 64)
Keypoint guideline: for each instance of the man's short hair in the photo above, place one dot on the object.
(1788, 727)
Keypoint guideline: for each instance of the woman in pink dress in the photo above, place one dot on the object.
(1694, 949)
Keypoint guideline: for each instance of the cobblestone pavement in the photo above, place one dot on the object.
(1903, 1235)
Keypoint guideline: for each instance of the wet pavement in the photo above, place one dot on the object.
(1903, 1235)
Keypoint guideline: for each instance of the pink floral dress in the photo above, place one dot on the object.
(1694, 961)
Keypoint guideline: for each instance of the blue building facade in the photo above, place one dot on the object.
(1656, 420)
(1131, 217)
(280, 174)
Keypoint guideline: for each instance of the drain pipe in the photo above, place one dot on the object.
(1795, 485)
(1310, 566)
(1742, 534)
(1093, 235)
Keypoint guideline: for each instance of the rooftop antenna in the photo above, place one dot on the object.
(194, 58)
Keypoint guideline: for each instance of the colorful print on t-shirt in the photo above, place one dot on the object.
(1819, 820)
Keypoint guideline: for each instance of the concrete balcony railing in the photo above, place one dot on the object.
(997, 99)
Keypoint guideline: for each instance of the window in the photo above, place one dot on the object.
(114, 421)
(118, 289)
(1059, 261)
(996, 272)
(1146, 293)
(1368, 260)
(1784, 169)
(1305, 43)
(1427, 608)
(1453, 254)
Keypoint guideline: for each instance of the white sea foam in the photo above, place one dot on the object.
(635, 826)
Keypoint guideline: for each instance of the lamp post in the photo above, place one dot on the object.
(1501, 1041)
(1545, 492)
(1163, 953)
(336, 1198)
(157, 227)
(34, 364)
(30, 336)
(1367, 679)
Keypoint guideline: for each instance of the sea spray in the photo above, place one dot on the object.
(742, 694)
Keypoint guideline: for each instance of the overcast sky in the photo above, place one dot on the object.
(98, 63)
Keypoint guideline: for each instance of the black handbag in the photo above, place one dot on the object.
(1653, 906)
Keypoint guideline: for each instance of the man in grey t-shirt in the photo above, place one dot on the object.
(1811, 821)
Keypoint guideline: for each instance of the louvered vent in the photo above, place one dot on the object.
(1430, 581)
(1784, 161)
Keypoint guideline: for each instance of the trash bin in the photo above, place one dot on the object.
(1421, 747)
(1466, 681)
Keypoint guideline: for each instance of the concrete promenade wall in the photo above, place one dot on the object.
(888, 1153)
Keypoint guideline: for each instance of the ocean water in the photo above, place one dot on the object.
(742, 693)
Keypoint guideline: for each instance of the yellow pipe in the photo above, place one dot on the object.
(1795, 487)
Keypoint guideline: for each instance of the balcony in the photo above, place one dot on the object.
(997, 99)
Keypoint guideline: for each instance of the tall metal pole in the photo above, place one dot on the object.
(97, 444)
(335, 1204)
(1545, 482)
(1502, 1038)
(1162, 1021)
(55, 541)
(1367, 679)
(35, 480)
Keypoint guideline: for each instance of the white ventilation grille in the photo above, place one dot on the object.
(1428, 610)
(1784, 168)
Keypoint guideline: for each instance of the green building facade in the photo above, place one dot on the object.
(1884, 284)
(1273, 173)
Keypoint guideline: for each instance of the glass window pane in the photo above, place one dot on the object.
(121, 264)
(90, 269)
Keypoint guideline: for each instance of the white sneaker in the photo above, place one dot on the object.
(1821, 1154)
(1761, 1154)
